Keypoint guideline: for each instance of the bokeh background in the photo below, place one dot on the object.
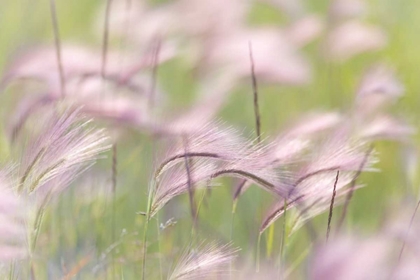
(79, 222)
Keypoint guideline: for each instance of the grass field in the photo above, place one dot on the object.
(195, 80)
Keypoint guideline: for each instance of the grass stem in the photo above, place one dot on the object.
(283, 244)
(353, 187)
(57, 41)
(330, 214)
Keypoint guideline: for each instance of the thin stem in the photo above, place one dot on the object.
(35, 233)
(238, 189)
(105, 38)
(249, 176)
(172, 159)
(189, 180)
(353, 187)
(152, 187)
(284, 237)
(256, 114)
(114, 198)
(408, 230)
(278, 212)
(124, 42)
(57, 42)
(114, 168)
(151, 194)
(270, 240)
(159, 248)
(146, 226)
(155, 64)
(255, 92)
(193, 229)
(144, 247)
(12, 270)
(396, 266)
(258, 132)
(38, 222)
(332, 205)
(232, 225)
(257, 269)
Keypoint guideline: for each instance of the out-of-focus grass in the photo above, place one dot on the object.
(70, 224)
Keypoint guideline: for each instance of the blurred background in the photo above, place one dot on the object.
(310, 56)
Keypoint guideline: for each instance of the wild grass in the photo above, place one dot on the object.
(209, 140)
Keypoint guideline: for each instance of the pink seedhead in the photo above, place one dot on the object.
(351, 258)
(379, 256)
(211, 16)
(205, 261)
(210, 141)
(78, 62)
(300, 135)
(387, 127)
(290, 146)
(380, 80)
(85, 86)
(215, 152)
(353, 38)
(257, 168)
(379, 89)
(312, 199)
(138, 23)
(347, 9)
(63, 148)
(277, 59)
(41, 64)
(125, 101)
(338, 152)
(13, 244)
(312, 182)
(305, 30)
(177, 181)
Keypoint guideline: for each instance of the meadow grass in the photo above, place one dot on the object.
(160, 200)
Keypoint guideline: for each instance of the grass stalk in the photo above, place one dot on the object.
(105, 38)
(353, 187)
(35, 232)
(330, 214)
(155, 64)
(189, 181)
(398, 262)
(255, 94)
(408, 231)
(57, 42)
(232, 226)
(159, 247)
(114, 200)
(270, 240)
(153, 186)
(146, 227)
(283, 243)
(12, 270)
(258, 253)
